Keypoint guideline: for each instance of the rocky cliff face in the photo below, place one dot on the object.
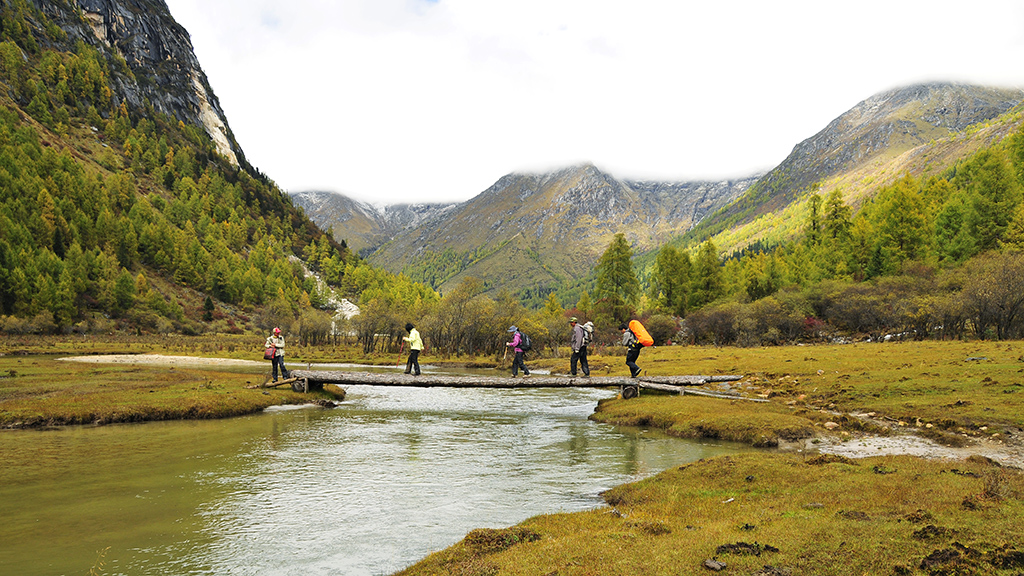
(364, 227)
(162, 69)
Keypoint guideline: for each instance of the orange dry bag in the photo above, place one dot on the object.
(641, 333)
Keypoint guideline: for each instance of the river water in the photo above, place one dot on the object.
(368, 488)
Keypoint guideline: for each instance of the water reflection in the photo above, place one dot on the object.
(368, 488)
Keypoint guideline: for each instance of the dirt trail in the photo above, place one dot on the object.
(161, 360)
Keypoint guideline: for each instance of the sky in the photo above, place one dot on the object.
(391, 101)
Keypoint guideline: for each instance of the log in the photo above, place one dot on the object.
(691, 391)
(437, 380)
(278, 383)
(689, 380)
(537, 381)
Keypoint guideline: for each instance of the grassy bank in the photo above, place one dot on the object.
(42, 391)
(771, 515)
(951, 392)
(37, 389)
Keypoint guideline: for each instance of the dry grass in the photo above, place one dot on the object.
(776, 514)
(42, 391)
(948, 390)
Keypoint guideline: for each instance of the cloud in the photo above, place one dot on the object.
(406, 100)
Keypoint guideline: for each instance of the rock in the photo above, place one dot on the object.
(715, 565)
(831, 425)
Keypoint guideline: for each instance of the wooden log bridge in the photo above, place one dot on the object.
(306, 380)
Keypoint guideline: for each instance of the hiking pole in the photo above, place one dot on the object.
(400, 348)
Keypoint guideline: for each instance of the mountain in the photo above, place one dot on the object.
(125, 201)
(362, 226)
(860, 145)
(531, 233)
(160, 68)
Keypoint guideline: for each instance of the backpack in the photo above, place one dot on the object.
(524, 342)
(641, 333)
(588, 333)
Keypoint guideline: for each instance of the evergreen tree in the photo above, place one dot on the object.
(901, 222)
(671, 280)
(707, 276)
(836, 223)
(617, 284)
(995, 194)
(813, 219)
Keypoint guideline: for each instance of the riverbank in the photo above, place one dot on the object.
(771, 515)
(39, 391)
(883, 459)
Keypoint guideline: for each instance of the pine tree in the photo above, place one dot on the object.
(995, 194)
(707, 276)
(671, 280)
(617, 284)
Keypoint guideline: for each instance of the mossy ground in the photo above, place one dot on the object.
(774, 514)
(37, 389)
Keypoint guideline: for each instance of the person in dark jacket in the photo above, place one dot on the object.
(578, 343)
(633, 347)
(517, 362)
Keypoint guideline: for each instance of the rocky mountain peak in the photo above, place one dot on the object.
(163, 71)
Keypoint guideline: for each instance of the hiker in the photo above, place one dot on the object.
(516, 344)
(633, 348)
(276, 341)
(578, 343)
(415, 345)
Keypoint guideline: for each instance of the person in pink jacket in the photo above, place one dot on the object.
(517, 362)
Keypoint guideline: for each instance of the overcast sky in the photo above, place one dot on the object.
(434, 100)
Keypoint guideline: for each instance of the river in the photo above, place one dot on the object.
(368, 488)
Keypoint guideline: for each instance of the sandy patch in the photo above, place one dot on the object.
(161, 360)
(1005, 454)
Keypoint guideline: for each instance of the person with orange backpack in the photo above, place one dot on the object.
(634, 338)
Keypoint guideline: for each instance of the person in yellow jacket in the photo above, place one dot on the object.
(415, 345)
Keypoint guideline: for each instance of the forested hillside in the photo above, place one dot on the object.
(931, 256)
(116, 216)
